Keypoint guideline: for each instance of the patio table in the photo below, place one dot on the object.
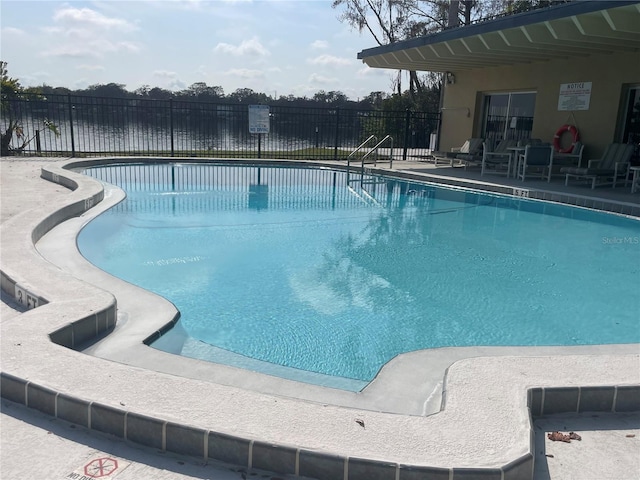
(515, 155)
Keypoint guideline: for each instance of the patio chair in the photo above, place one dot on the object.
(473, 146)
(494, 159)
(536, 157)
(573, 159)
(570, 159)
(613, 165)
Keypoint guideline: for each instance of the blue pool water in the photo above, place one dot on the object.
(309, 269)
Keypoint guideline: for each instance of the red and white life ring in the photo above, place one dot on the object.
(561, 131)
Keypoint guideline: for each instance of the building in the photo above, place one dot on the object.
(527, 75)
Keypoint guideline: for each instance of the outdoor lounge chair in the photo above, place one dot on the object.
(566, 160)
(494, 159)
(471, 147)
(570, 159)
(536, 157)
(613, 165)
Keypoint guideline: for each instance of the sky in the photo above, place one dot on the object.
(277, 47)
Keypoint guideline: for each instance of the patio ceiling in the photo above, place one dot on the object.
(576, 29)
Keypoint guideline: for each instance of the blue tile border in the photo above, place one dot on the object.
(228, 449)
(553, 400)
(274, 458)
(627, 399)
(596, 399)
(285, 459)
(560, 400)
(321, 466)
(409, 472)
(361, 468)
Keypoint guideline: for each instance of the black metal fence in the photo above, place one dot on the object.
(520, 128)
(95, 126)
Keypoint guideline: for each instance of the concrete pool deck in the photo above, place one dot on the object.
(485, 423)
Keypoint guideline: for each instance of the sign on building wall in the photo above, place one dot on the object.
(574, 96)
(258, 118)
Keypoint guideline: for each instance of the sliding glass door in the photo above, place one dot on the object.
(508, 115)
(631, 128)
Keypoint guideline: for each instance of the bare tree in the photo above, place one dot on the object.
(390, 21)
(383, 19)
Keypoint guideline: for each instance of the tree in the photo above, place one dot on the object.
(385, 20)
(202, 91)
(10, 92)
(248, 96)
(390, 21)
(333, 98)
(518, 6)
(47, 90)
(157, 93)
(374, 100)
(142, 91)
(111, 90)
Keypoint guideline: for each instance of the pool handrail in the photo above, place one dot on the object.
(375, 150)
(360, 147)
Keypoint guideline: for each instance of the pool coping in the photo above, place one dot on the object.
(254, 429)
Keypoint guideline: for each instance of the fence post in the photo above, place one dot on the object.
(73, 143)
(171, 123)
(335, 146)
(407, 125)
(259, 146)
(38, 146)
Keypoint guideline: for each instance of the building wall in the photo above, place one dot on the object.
(598, 126)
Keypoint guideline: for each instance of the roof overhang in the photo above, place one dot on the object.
(575, 29)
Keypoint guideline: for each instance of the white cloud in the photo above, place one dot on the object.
(131, 47)
(169, 80)
(53, 30)
(321, 80)
(12, 31)
(165, 74)
(94, 48)
(320, 45)
(176, 85)
(367, 71)
(245, 73)
(330, 61)
(82, 32)
(81, 83)
(251, 47)
(35, 78)
(90, 18)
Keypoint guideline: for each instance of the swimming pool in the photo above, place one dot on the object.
(319, 271)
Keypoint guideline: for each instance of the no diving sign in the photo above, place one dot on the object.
(258, 118)
(103, 468)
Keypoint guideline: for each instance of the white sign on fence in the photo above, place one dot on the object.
(258, 118)
(574, 96)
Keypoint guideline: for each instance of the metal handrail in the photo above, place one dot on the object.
(375, 149)
(359, 147)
